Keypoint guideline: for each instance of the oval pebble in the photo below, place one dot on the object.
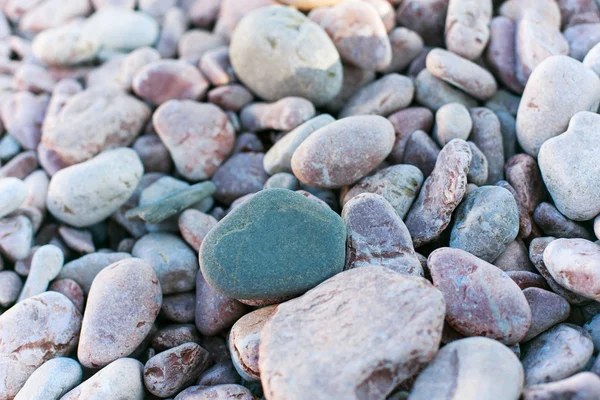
(194, 225)
(240, 175)
(84, 269)
(547, 309)
(585, 385)
(10, 287)
(13, 192)
(226, 391)
(52, 380)
(467, 27)
(553, 223)
(122, 305)
(452, 121)
(285, 114)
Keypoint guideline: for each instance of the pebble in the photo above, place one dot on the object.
(452, 121)
(433, 92)
(71, 290)
(278, 52)
(23, 115)
(430, 213)
(427, 18)
(45, 266)
(168, 372)
(569, 173)
(51, 380)
(92, 121)
(34, 331)
(278, 157)
(10, 287)
(215, 65)
(194, 44)
(487, 136)
(405, 123)
(16, 234)
(122, 305)
(581, 38)
(523, 174)
(556, 354)
(389, 94)
(33, 78)
(354, 79)
(548, 104)
(194, 225)
(215, 312)
(515, 258)
(174, 263)
(240, 175)
(593, 328)
(526, 279)
(282, 180)
(87, 193)
(65, 45)
(471, 368)
(164, 80)
(79, 240)
(547, 309)
(174, 25)
(501, 53)
(358, 32)
(244, 341)
(120, 378)
(467, 27)
(227, 391)
(13, 193)
(592, 59)
(286, 242)
(485, 222)
(83, 270)
(230, 97)
(481, 300)
(20, 166)
(284, 115)
(174, 335)
(553, 223)
(199, 136)
(546, 11)
(134, 62)
(120, 29)
(326, 159)
(398, 184)
(154, 155)
(333, 352)
(461, 73)
(219, 374)
(584, 385)
(179, 307)
(478, 170)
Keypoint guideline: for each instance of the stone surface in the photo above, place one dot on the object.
(225, 391)
(71, 290)
(87, 193)
(10, 287)
(481, 300)
(433, 92)
(471, 368)
(194, 225)
(174, 335)
(282, 240)
(15, 237)
(278, 52)
(553, 223)
(478, 170)
(179, 307)
(486, 135)
(585, 385)
(123, 303)
(421, 151)
(467, 27)
(405, 123)
(376, 235)
(46, 263)
(515, 258)
(547, 310)
(569, 172)
(52, 380)
(452, 121)
(240, 175)
(302, 356)
(284, 115)
(485, 222)
(13, 193)
(84, 269)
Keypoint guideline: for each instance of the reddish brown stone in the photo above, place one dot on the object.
(174, 335)
(71, 290)
(406, 122)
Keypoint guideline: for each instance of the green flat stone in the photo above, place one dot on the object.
(277, 244)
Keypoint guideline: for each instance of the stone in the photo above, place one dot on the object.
(282, 180)
(481, 300)
(376, 235)
(523, 174)
(122, 305)
(34, 331)
(556, 354)
(371, 299)
(168, 372)
(45, 266)
(478, 170)
(134, 62)
(582, 38)
(219, 374)
(568, 170)
(49, 14)
(179, 307)
(174, 263)
(391, 93)
(295, 262)
(278, 52)
(285, 114)
(65, 45)
(406, 46)
(226, 391)
(194, 225)
(452, 121)
(575, 265)
(122, 377)
(83, 270)
(471, 368)
(16, 234)
(244, 341)
(326, 159)
(23, 115)
(468, 27)
(164, 80)
(593, 328)
(52, 379)
(585, 385)
(553, 223)
(487, 136)
(174, 25)
(526, 279)
(548, 104)
(515, 258)
(430, 213)
(71, 290)
(427, 18)
(13, 192)
(20, 166)
(405, 123)
(195, 43)
(547, 309)
(433, 92)
(501, 53)
(278, 157)
(216, 66)
(230, 97)
(79, 240)
(354, 79)
(87, 193)
(199, 136)
(485, 222)
(154, 155)
(240, 175)
(10, 287)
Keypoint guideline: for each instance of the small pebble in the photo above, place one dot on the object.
(452, 121)
(285, 114)
(52, 380)
(13, 192)
(584, 385)
(179, 307)
(547, 309)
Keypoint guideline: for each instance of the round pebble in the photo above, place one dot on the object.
(13, 192)
(452, 121)
(52, 380)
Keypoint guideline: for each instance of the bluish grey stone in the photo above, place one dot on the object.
(486, 222)
(278, 243)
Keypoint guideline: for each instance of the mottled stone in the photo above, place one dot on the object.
(83, 270)
(431, 213)
(526, 279)
(52, 380)
(481, 300)
(65, 45)
(123, 303)
(310, 349)
(285, 114)
(168, 372)
(547, 310)
(471, 368)
(487, 136)
(219, 374)
(467, 27)
(293, 238)
(556, 354)
(70, 289)
(553, 223)
(421, 151)
(174, 335)
(10, 287)
(326, 159)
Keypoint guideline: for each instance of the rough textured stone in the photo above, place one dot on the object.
(376, 235)
(123, 303)
(373, 300)
(174, 335)
(481, 300)
(471, 368)
(282, 240)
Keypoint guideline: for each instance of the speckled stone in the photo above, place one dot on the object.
(282, 236)
(556, 354)
(376, 235)
(547, 310)
(481, 300)
(122, 305)
(485, 223)
(470, 369)
(398, 184)
(52, 380)
(342, 339)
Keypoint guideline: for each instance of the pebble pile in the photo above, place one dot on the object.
(299, 199)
